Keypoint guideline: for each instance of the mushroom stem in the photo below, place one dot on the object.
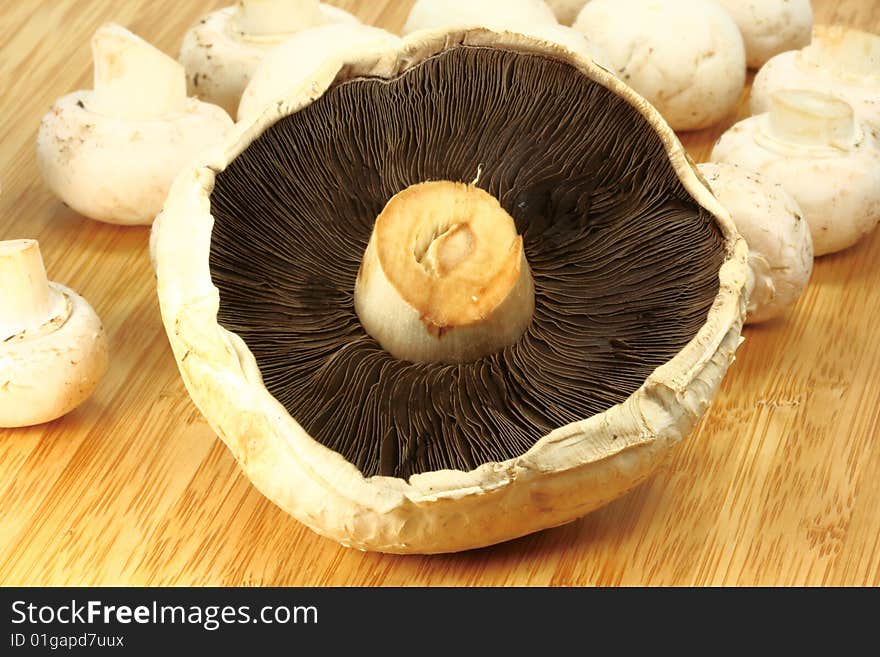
(265, 17)
(444, 277)
(849, 51)
(25, 296)
(811, 118)
(132, 78)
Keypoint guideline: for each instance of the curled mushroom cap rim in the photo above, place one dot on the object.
(437, 511)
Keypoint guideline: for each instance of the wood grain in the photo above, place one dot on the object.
(779, 486)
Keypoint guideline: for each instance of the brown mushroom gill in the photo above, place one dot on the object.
(625, 262)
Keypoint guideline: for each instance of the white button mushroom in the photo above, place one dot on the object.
(297, 59)
(770, 27)
(112, 152)
(770, 220)
(221, 51)
(827, 160)
(840, 61)
(53, 351)
(686, 57)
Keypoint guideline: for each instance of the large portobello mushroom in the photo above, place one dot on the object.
(538, 224)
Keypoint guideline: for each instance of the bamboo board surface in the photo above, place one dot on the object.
(780, 485)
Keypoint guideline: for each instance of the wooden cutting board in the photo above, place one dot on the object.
(780, 484)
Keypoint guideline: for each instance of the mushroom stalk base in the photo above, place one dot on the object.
(444, 277)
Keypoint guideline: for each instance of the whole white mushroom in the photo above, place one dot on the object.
(827, 160)
(840, 61)
(53, 350)
(111, 153)
(686, 57)
(770, 27)
(297, 59)
(222, 50)
(773, 225)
